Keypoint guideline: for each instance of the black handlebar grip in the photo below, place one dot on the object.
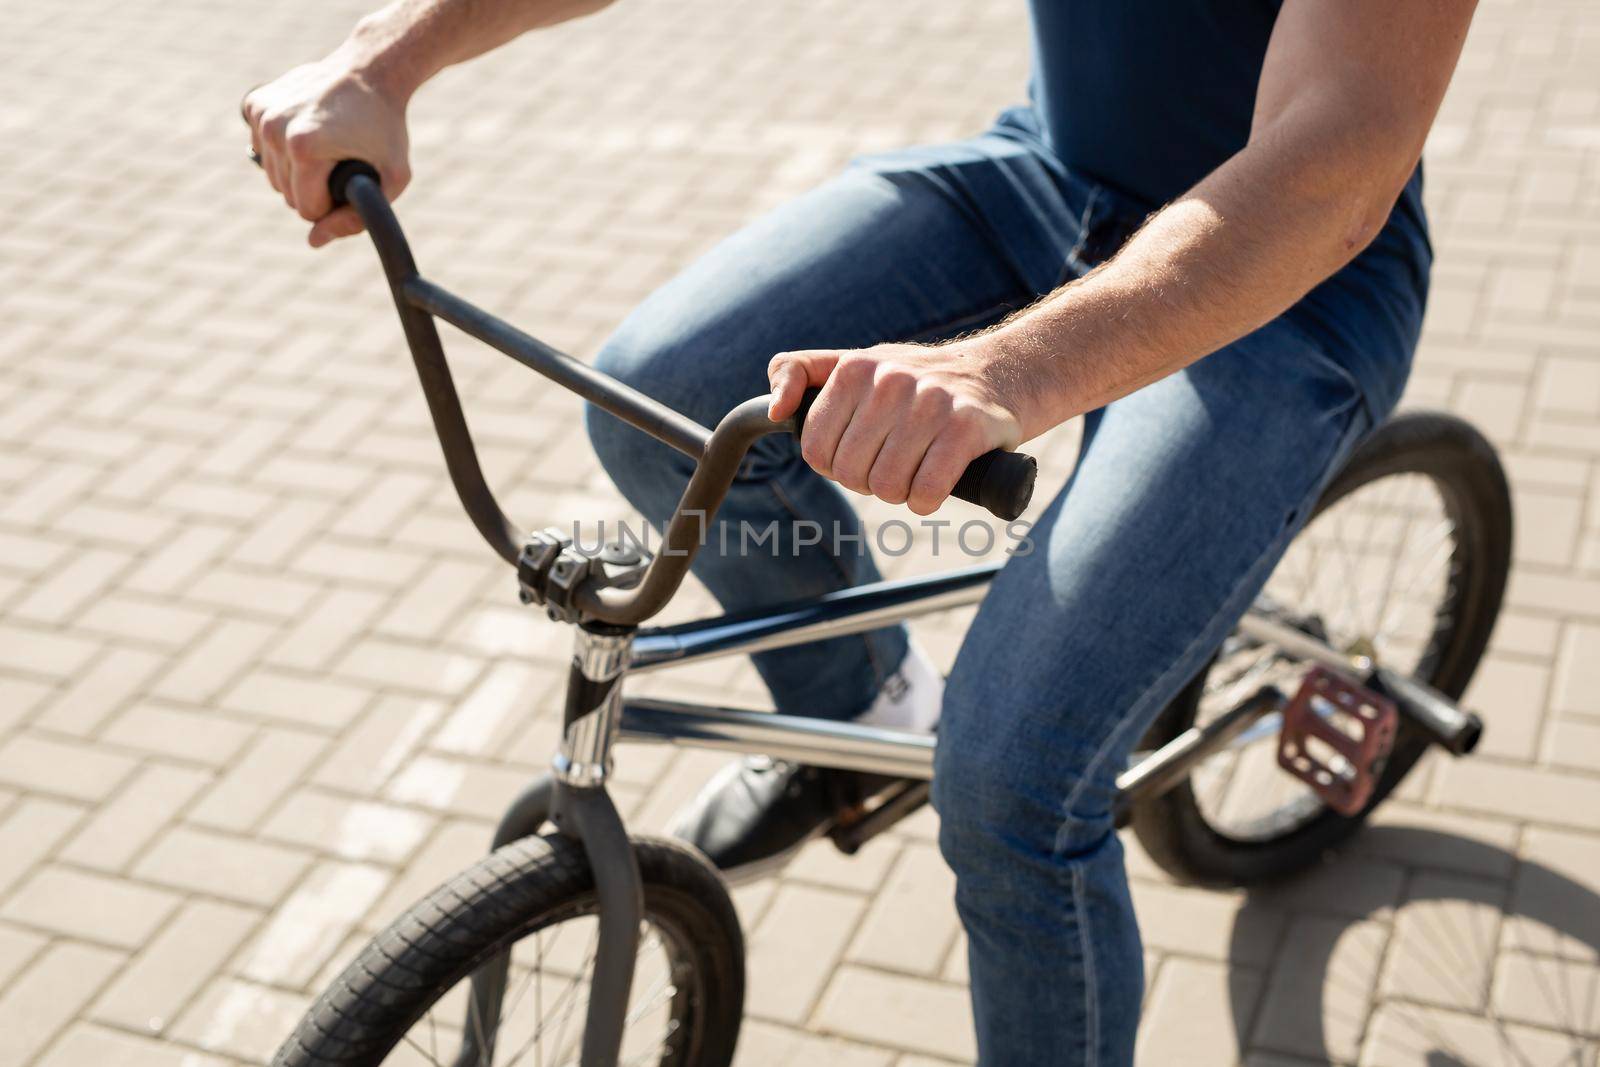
(343, 171)
(1453, 728)
(998, 481)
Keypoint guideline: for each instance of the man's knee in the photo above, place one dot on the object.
(662, 365)
(1005, 793)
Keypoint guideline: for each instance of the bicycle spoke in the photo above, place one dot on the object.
(568, 995)
(432, 1058)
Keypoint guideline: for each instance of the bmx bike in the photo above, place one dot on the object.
(574, 943)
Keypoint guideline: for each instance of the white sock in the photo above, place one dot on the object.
(910, 698)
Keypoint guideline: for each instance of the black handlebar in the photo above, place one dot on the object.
(999, 481)
(339, 179)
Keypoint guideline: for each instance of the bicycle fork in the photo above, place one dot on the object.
(573, 796)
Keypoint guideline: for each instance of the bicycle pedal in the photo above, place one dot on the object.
(1335, 737)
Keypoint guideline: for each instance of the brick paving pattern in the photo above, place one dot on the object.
(260, 686)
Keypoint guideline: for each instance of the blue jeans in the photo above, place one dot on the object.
(1184, 497)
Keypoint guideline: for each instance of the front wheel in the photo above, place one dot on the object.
(406, 998)
(1404, 561)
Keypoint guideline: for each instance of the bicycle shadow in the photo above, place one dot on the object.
(1423, 947)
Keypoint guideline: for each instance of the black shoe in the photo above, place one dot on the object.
(754, 815)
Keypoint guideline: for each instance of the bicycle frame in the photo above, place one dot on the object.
(611, 644)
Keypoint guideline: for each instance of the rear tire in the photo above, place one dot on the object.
(516, 891)
(1176, 830)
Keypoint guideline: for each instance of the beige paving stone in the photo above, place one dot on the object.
(1444, 943)
(1200, 922)
(1564, 798)
(764, 1045)
(495, 708)
(81, 772)
(225, 866)
(898, 1010)
(19, 697)
(1440, 840)
(1569, 385)
(460, 787)
(28, 553)
(1509, 695)
(1553, 906)
(1577, 676)
(358, 562)
(240, 1019)
(1347, 885)
(1405, 1034)
(794, 950)
(91, 906)
(96, 1044)
(1558, 593)
(178, 733)
(213, 661)
(912, 921)
(347, 828)
(36, 651)
(306, 929)
(98, 692)
(118, 831)
(144, 620)
(273, 595)
(427, 606)
(328, 628)
(174, 564)
(17, 949)
(1494, 404)
(255, 781)
(383, 504)
(68, 589)
(219, 500)
(298, 700)
(821, 863)
(45, 998)
(1193, 1005)
(1573, 743)
(1549, 992)
(172, 967)
(1318, 993)
(379, 744)
(284, 531)
(29, 831)
(414, 668)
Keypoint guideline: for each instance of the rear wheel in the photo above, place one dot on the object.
(1404, 561)
(406, 1000)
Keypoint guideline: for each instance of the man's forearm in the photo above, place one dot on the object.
(401, 46)
(1234, 253)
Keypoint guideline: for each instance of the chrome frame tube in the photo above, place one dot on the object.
(851, 746)
(823, 742)
(1268, 630)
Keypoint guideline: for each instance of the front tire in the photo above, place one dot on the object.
(383, 1001)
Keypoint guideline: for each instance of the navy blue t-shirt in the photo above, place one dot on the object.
(1149, 96)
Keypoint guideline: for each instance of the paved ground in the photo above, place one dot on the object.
(259, 685)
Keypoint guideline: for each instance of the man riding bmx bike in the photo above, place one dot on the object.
(1203, 234)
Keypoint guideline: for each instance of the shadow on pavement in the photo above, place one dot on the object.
(1470, 917)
